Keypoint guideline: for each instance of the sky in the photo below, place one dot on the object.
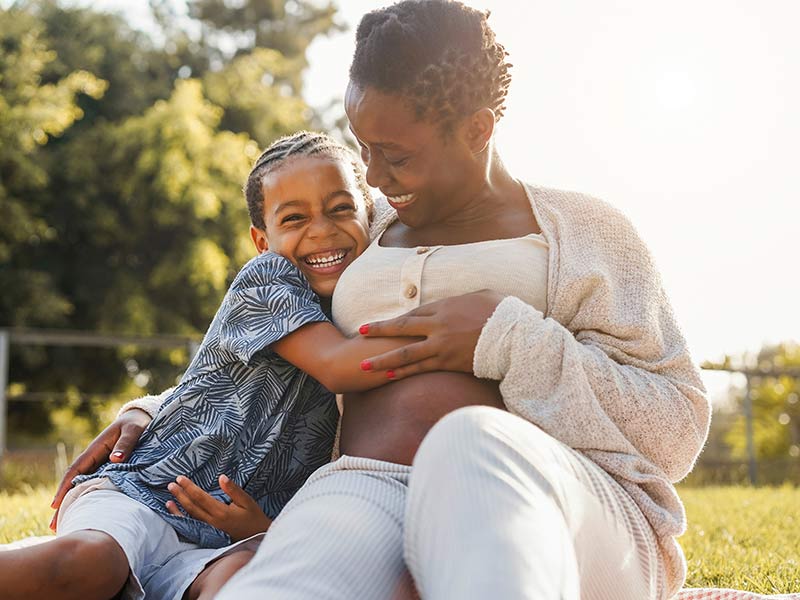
(678, 113)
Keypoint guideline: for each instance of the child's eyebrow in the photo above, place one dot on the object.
(303, 203)
(288, 204)
(333, 195)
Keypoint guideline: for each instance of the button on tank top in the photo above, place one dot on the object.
(384, 282)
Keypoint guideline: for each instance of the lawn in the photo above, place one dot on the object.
(739, 537)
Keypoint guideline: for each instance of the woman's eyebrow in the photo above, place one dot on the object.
(382, 145)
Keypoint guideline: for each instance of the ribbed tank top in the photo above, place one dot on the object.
(386, 282)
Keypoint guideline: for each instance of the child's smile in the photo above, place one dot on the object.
(316, 216)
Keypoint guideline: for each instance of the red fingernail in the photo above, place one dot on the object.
(118, 454)
(363, 330)
(390, 374)
(366, 365)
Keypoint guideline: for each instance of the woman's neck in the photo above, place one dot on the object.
(499, 209)
(492, 194)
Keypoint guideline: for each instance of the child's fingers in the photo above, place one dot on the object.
(194, 509)
(173, 509)
(237, 495)
(198, 495)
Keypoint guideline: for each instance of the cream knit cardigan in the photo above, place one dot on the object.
(605, 369)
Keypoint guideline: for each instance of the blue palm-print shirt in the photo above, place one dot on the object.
(240, 409)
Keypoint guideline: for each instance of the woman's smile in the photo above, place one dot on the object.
(402, 201)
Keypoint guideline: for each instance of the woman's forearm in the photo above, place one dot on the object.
(149, 404)
(576, 392)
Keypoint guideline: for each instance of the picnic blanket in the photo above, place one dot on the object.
(685, 594)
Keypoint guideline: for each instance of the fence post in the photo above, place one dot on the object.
(748, 415)
(4, 350)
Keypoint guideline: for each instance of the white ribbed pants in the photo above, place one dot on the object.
(493, 508)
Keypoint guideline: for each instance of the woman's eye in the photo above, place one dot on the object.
(344, 207)
(398, 162)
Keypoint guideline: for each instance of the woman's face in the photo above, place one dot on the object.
(422, 172)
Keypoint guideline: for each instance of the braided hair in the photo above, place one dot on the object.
(439, 54)
(302, 143)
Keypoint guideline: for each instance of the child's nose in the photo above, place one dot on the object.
(321, 226)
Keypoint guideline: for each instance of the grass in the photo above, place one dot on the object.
(738, 537)
(743, 538)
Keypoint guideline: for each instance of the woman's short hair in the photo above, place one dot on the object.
(439, 54)
(302, 143)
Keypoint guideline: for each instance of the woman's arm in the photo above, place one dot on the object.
(334, 360)
(115, 443)
(588, 389)
(573, 388)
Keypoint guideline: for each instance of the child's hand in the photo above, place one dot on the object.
(240, 519)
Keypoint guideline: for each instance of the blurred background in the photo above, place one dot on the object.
(127, 130)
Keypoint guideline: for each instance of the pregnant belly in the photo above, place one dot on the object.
(389, 422)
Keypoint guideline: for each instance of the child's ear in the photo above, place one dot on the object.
(259, 237)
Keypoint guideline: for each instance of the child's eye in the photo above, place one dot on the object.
(289, 218)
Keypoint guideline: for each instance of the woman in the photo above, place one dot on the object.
(567, 494)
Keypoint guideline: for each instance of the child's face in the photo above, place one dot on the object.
(315, 216)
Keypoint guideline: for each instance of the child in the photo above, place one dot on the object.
(251, 405)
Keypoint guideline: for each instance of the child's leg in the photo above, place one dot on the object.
(103, 536)
(214, 576)
(65, 568)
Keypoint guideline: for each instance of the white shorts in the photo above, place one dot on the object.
(162, 564)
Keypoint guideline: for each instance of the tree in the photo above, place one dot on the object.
(120, 202)
(288, 27)
(776, 408)
(32, 113)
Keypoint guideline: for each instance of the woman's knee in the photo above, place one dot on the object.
(461, 432)
(480, 437)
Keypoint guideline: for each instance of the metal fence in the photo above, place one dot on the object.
(61, 337)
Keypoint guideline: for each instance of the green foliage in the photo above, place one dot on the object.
(121, 207)
(288, 27)
(776, 409)
(31, 113)
(253, 103)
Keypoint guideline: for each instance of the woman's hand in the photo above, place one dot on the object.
(115, 443)
(240, 519)
(451, 328)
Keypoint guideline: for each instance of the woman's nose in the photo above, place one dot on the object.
(377, 175)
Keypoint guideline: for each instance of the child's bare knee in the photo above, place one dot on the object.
(86, 551)
(215, 575)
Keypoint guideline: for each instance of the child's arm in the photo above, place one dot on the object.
(240, 519)
(334, 360)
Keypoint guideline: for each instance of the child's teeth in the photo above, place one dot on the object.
(328, 260)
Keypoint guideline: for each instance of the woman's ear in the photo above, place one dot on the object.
(259, 237)
(479, 128)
